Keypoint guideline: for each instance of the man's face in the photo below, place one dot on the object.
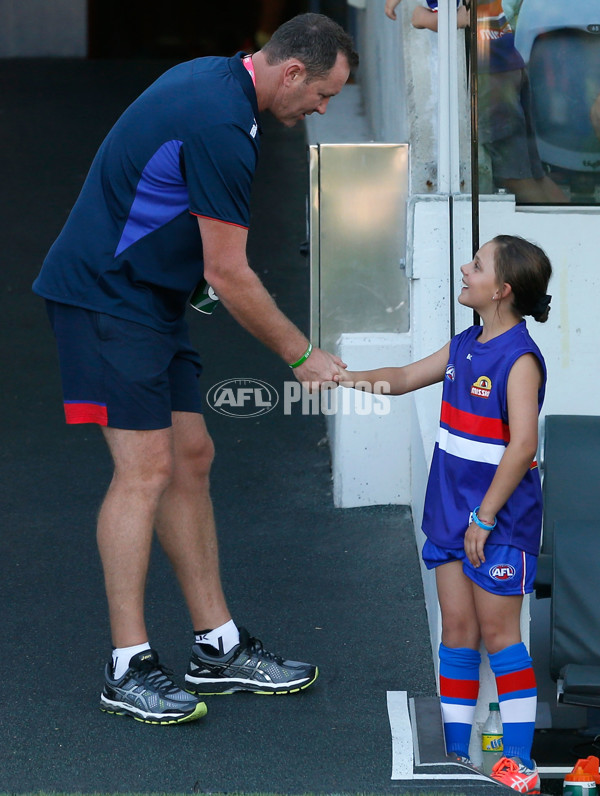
(298, 98)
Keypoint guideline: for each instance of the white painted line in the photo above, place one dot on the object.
(402, 742)
(555, 769)
(451, 777)
(405, 745)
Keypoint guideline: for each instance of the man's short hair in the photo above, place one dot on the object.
(315, 40)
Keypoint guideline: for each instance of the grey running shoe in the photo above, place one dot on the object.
(147, 693)
(247, 667)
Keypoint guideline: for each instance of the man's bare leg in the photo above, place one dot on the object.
(143, 469)
(143, 462)
(185, 523)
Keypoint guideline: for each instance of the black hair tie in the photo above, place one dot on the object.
(541, 305)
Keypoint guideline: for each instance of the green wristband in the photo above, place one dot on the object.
(303, 358)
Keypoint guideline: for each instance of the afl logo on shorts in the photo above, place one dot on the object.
(502, 572)
(482, 387)
(450, 372)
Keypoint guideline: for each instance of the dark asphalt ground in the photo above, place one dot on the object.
(340, 587)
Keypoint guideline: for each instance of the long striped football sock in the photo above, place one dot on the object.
(459, 688)
(517, 694)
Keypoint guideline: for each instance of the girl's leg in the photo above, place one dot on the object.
(460, 625)
(459, 656)
(500, 619)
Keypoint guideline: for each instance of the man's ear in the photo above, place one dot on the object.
(293, 72)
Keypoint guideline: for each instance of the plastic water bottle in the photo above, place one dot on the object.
(579, 785)
(491, 739)
(582, 781)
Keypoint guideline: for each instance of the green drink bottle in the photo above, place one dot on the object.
(204, 299)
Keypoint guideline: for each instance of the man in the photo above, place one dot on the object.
(165, 203)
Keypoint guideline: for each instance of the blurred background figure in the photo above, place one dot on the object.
(271, 16)
(506, 131)
(560, 46)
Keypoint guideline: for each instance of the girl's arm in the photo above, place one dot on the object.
(425, 19)
(397, 381)
(522, 397)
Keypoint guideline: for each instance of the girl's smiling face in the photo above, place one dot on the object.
(479, 282)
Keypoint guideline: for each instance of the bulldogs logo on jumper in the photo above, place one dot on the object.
(450, 372)
(482, 387)
(502, 572)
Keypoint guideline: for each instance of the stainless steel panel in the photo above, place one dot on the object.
(358, 195)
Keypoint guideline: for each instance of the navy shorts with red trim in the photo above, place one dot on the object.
(123, 374)
(506, 571)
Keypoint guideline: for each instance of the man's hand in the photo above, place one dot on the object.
(319, 370)
(390, 5)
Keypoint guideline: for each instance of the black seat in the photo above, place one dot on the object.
(571, 462)
(572, 544)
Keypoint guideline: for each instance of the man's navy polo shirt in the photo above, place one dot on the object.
(187, 147)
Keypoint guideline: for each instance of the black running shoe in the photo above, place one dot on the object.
(247, 667)
(147, 693)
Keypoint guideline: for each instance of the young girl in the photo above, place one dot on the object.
(483, 507)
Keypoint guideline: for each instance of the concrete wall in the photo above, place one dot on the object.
(38, 28)
(368, 428)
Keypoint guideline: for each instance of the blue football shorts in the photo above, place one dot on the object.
(507, 570)
(122, 374)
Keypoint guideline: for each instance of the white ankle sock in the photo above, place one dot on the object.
(122, 655)
(223, 638)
